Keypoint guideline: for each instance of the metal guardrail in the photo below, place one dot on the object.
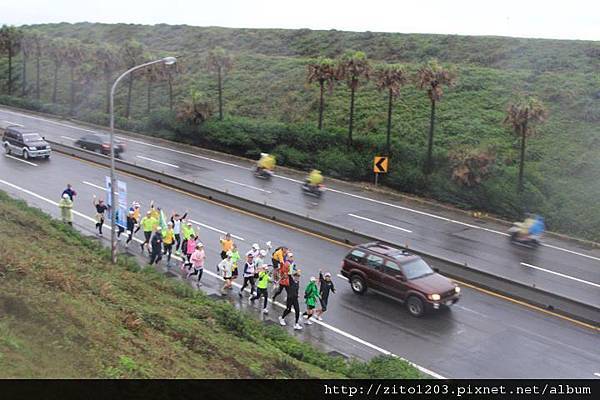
(460, 271)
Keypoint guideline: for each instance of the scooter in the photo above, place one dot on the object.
(311, 190)
(530, 241)
(263, 173)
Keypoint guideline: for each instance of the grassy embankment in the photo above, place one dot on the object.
(269, 107)
(65, 311)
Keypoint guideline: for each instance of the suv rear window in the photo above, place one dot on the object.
(416, 269)
(375, 261)
(356, 256)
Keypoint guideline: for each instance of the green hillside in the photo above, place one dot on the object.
(67, 312)
(270, 107)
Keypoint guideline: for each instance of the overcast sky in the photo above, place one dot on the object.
(572, 19)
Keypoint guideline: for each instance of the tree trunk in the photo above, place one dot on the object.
(128, 105)
(351, 122)
(72, 91)
(24, 77)
(429, 164)
(37, 77)
(9, 68)
(522, 164)
(55, 84)
(149, 97)
(322, 87)
(220, 83)
(170, 92)
(107, 89)
(389, 123)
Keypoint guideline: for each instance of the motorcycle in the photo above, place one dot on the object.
(531, 241)
(313, 190)
(263, 173)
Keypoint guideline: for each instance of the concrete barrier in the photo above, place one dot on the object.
(459, 271)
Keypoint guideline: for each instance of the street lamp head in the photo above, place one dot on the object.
(169, 60)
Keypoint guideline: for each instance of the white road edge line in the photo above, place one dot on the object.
(297, 181)
(18, 159)
(248, 186)
(14, 124)
(561, 275)
(156, 161)
(342, 276)
(68, 137)
(330, 327)
(597, 374)
(380, 223)
(215, 229)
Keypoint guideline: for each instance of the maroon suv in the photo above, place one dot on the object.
(400, 275)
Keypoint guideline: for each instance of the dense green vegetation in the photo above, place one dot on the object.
(268, 105)
(66, 311)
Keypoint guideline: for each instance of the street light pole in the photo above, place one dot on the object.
(113, 197)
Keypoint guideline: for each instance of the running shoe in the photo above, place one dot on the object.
(320, 318)
(282, 321)
(308, 322)
(297, 327)
(265, 311)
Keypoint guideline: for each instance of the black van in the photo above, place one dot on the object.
(27, 143)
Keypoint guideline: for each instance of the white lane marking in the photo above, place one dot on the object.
(68, 137)
(597, 374)
(13, 124)
(297, 181)
(215, 229)
(156, 161)
(562, 275)
(342, 276)
(23, 161)
(571, 251)
(380, 223)
(182, 152)
(330, 327)
(248, 186)
(96, 186)
(93, 185)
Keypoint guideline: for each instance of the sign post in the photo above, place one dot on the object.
(380, 166)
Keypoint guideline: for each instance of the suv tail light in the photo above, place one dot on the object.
(106, 146)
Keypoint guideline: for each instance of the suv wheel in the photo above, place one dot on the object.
(415, 306)
(26, 154)
(7, 149)
(358, 284)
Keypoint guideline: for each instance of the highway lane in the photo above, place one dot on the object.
(559, 267)
(483, 336)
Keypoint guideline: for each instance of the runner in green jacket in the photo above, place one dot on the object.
(311, 294)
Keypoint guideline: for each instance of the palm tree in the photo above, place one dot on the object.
(36, 44)
(322, 71)
(219, 61)
(132, 53)
(10, 40)
(170, 71)
(56, 52)
(521, 114)
(353, 67)
(74, 55)
(432, 77)
(107, 58)
(27, 49)
(195, 109)
(390, 77)
(153, 73)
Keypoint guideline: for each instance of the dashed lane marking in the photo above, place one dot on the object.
(379, 223)
(561, 275)
(157, 161)
(248, 186)
(19, 159)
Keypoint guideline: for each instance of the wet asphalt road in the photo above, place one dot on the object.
(560, 267)
(481, 337)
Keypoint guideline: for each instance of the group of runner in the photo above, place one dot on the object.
(177, 235)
